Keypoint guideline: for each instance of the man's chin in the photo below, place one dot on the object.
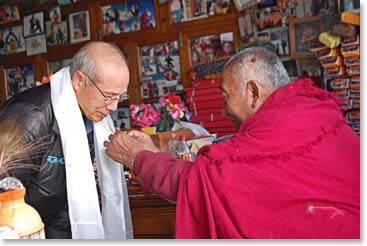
(96, 117)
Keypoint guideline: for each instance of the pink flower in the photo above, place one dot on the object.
(173, 106)
(144, 115)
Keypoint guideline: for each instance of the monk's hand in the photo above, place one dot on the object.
(123, 147)
(145, 140)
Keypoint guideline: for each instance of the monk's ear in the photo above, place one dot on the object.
(77, 80)
(253, 90)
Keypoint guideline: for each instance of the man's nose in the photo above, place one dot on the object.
(112, 106)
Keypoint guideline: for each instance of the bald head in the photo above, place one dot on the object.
(260, 65)
(95, 56)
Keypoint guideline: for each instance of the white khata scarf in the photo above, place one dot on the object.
(84, 212)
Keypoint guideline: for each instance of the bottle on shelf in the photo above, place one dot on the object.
(172, 145)
(183, 151)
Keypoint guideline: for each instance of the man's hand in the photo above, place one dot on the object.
(124, 147)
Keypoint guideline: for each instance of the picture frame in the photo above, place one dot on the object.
(292, 68)
(194, 10)
(317, 8)
(13, 40)
(351, 5)
(244, 4)
(279, 37)
(33, 24)
(55, 15)
(9, 13)
(246, 26)
(309, 67)
(301, 32)
(19, 79)
(121, 118)
(36, 45)
(79, 27)
(54, 66)
(177, 11)
(56, 34)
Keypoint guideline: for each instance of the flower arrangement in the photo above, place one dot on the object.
(172, 106)
(144, 115)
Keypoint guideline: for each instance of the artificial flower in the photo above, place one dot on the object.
(144, 115)
(173, 105)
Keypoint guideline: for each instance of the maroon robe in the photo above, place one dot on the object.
(292, 171)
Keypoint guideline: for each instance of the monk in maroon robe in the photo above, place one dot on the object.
(291, 171)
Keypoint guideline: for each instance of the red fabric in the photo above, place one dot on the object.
(159, 172)
(292, 171)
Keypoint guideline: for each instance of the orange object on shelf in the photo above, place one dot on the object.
(351, 18)
(17, 214)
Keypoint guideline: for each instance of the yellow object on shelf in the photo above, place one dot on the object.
(17, 214)
(330, 40)
(149, 130)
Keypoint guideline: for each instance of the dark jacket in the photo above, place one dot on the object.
(45, 187)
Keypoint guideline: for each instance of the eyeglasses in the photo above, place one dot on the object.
(108, 100)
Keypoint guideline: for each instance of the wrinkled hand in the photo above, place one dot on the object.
(123, 147)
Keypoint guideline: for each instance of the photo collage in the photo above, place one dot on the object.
(207, 49)
(187, 10)
(160, 70)
(128, 16)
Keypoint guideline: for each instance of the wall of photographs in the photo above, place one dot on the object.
(160, 69)
(169, 44)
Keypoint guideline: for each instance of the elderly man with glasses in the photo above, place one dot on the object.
(71, 115)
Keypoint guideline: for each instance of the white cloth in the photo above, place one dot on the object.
(84, 211)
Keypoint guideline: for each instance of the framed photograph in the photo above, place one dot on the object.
(55, 15)
(54, 66)
(218, 7)
(146, 14)
(302, 31)
(320, 7)
(79, 28)
(291, 67)
(8, 13)
(245, 25)
(33, 24)
(243, 4)
(279, 38)
(56, 33)
(351, 5)
(36, 45)
(309, 67)
(177, 11)
(194, 10)
(19, 79)
(121, 119)
(13, 40)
